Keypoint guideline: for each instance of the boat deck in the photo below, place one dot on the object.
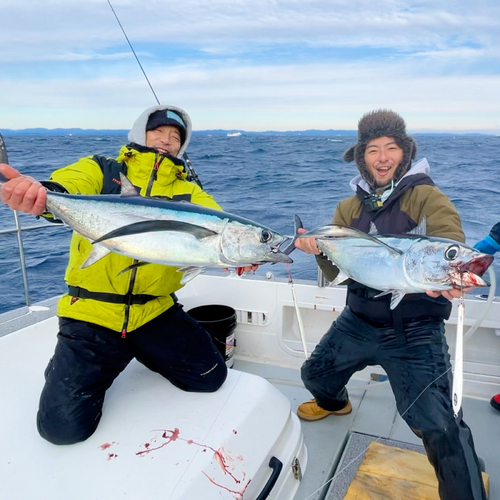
(330, 468)
(374, 417)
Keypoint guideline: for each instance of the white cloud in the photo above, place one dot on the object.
(266, 64)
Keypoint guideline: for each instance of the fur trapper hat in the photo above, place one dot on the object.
(377, 124)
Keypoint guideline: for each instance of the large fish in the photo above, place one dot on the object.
(180, 234)
(400, 264)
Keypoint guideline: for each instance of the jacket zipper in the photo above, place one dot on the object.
(152, 178)
(154, 174)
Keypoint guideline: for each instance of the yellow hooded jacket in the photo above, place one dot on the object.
(155, 175)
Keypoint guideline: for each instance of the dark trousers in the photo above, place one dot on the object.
(88, 358)
(423, 396)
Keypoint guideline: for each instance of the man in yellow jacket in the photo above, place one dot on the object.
(106, 319)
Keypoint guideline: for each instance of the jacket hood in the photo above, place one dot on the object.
(137, 134)
(419, 167)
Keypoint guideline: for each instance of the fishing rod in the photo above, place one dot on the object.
(191, 171)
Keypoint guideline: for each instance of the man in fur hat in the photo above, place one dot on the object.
(394, 196)
(107, 318)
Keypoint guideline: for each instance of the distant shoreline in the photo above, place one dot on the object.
(311, 132)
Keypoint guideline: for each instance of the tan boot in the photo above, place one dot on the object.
(310, 410)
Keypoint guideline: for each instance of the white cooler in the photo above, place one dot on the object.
(154, 441)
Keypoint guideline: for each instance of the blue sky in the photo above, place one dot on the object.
(251, 65)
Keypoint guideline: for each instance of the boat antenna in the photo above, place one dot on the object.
(191, 171)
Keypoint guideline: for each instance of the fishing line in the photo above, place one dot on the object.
(458, 372)
(299, 317)
(192, 173)
(375, 440)
(457, 387)
(133, 52)
(458, 361)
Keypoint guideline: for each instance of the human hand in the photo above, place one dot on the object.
(22, 192)
(454, 293)
(307, 245)
(246, 269)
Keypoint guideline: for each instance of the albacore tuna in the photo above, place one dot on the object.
(174, 233)
(400, 264)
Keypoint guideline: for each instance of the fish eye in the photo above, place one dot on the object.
(265, 236)
(451, 253)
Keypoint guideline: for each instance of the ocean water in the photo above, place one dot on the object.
(266, 178)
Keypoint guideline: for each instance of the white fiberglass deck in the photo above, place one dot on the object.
(267, 346)
(153, 441)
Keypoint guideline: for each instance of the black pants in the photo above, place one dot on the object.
(88, 358)
(423, 397)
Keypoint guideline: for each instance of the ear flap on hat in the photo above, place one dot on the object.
(413, 147)
(349, 154)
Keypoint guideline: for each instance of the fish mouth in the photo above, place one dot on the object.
(470, 273)
(276, 255)
(477, 265)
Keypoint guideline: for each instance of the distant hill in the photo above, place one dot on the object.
(329, 132)
(62, 131)
(310, 132)
(80, 131)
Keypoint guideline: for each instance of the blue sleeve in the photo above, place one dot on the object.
(487, 245)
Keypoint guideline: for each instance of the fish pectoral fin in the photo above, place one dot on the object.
(396, 298)
(149, 226)
(133, 266)
(341, 277)
(189, 273)
(98, 252)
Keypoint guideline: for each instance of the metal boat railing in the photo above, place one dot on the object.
(22, 259)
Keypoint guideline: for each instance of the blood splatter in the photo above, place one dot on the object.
(105, 446)
(174, 435)
(234, 492)
(221, 457)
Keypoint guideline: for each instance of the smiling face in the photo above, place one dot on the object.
(382, 157)
(165, 139)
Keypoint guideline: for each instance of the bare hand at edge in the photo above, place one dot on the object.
(307, 245)
(22, 192)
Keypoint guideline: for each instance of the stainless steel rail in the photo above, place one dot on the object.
(22, 259)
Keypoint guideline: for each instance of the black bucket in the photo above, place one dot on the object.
(220, 322)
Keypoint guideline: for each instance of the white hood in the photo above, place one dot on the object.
(138, 132)
(419, 167)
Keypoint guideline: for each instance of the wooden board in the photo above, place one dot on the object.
(391, 473)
